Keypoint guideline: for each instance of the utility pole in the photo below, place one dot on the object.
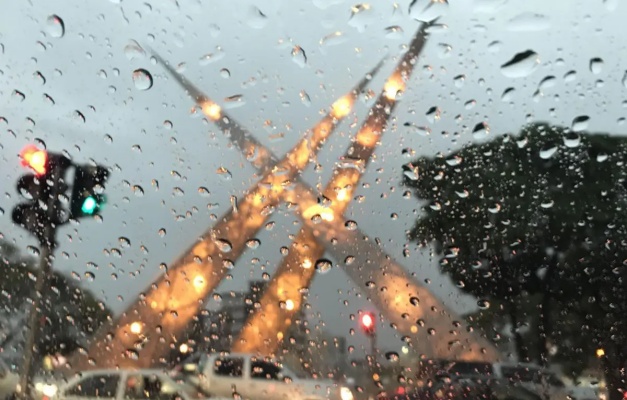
(41, 215)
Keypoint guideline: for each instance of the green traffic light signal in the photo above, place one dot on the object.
(87, 199)
(89, 205)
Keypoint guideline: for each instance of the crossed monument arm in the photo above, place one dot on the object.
(151, 326)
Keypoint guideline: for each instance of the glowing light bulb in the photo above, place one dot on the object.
(136, 328)
(342, 107)
(394, 85)
(212, 110)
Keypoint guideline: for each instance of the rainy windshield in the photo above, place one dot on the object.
(379, 196)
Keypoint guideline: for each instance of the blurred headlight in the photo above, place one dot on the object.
(345, 393)
(49, 390)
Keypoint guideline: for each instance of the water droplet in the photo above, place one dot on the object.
(90, 276)
(427, 10)
(580, 123)
(548, 152)
(414, 301)
(304, 98)
(394, 32)
(253, 243)
(33, 251)
(323, 265)
(483, 304)
(212, 57)
(444, 50)
(204, 191)
(547, 82)
(18, 95)
(333, 39)
(161, 232)
(133, 50)
(508, 94)
(495, 46)
(39, 77)
(138, 191)
(572, 140)
(361, 16)
(224, 245)
(224, 173)
(392, 356)
(521, 65)
(124, 241)
(225, 73)
(299, 57)
(596, 65)
(570, 76)
(142, 79)
(256, 19)
(480, 130)
(459, 80)
(55, 26)
(528, 22)
(350, 225)
(108, 139)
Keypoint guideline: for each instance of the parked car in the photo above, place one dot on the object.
(124, 385)
(528, 376)
(256, 378)
(8, 381)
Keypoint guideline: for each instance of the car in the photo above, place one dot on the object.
(256, 378)
(123, 385)
(8, 381)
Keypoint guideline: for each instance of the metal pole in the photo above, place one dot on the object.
(33, 330)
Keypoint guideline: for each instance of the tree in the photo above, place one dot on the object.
(540, 213)
(71, 314)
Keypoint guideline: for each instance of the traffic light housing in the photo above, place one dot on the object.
(367, 322)
(87, 198)
(42, 190)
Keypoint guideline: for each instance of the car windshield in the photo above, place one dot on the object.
(347, 188)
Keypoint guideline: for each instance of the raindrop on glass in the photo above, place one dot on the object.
(299, 57)
(124, 242)
(323, 265)
(580, 123)
(142, 79)
(596, 65)
(521, 65)
(55, 26)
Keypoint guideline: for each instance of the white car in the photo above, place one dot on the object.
(528, 376)
(122, 385)
(256, 378)
(8, 381)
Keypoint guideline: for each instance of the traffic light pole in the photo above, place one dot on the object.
(43, 274)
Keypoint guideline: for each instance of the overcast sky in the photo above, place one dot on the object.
(244, 48)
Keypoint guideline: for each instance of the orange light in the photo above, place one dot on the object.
(393, 86)
(342, 107)
(366, 320)
(136, 328)
(211, 110)
(35, 159)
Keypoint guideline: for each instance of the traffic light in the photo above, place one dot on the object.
(42, 190)
(368, 323)
(87, 197)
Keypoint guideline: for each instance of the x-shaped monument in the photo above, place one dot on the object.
(152, 325)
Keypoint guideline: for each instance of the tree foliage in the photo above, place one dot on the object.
(70, 313)
(541, 212)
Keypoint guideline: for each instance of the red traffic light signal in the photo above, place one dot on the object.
(34, 158)
(367, 322)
